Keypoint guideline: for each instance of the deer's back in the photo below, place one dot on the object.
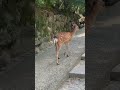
(64, 37)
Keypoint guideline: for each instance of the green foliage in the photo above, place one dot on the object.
(62, 12)
(62, 4)
(45, 3)
(41, 26)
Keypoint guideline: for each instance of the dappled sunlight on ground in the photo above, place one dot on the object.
(80, 35)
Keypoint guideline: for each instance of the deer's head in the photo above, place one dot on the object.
(74, 26)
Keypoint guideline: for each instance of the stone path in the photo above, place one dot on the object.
(48, 75)
(77, 77)
(74, 84)
(78, 70)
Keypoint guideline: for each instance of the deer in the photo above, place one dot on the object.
(64, 38)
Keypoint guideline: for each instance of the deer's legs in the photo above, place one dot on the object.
(57, 53)
(67, 52)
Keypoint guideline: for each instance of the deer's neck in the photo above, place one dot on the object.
(73, 31)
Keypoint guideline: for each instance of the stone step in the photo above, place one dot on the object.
(115, 74)
(113, 85)
(73, 84)
(78, 71)
(83, 57)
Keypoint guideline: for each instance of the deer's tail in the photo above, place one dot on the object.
(55, 39)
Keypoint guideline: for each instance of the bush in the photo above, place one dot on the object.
(56, 15)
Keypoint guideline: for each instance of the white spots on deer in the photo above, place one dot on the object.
(64, 38)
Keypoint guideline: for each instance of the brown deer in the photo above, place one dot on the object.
(64, 38)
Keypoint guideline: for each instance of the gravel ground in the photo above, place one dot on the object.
(48, 75)
(74, 84)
